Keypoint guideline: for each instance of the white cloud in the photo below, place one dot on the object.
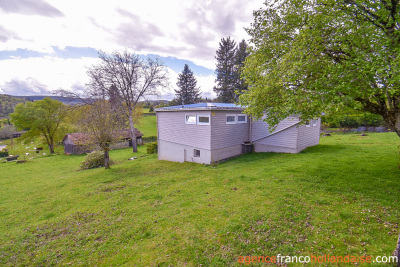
(185, 29)
(51, 72)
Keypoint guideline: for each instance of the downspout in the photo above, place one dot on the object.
(251, 126)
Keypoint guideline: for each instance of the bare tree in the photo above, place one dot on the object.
(103, 121)
(6, 132)
(125, 78)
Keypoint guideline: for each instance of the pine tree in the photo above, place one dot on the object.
(188, 92)
(240, 57)
(226, 75)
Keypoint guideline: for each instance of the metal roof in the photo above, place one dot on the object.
(202, 106)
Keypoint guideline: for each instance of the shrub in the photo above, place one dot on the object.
(348, 122)
(94, 159)
(151, 148)
(3, 154)
(149, 139)
(371, 120)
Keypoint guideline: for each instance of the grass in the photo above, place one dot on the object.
(340, 197)
(148, 126)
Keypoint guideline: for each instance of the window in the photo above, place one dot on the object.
(230, 119)
(196, 153)
(242, 118)
(314, 122)
(308, 124)
(203, 120)
(190, 119)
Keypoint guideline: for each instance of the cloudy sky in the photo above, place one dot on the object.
(47, 44)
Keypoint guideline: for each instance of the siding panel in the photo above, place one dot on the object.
(226, 135)
(172, 128)
(309, 136)
(287, 137)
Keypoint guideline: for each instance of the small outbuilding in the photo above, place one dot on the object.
(18, 134)
(79, 143)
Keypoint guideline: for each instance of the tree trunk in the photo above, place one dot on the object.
(397, 124)
(133, 135)
(106, 159)
(51, 147)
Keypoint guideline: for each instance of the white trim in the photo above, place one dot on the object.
(203, 123)
(231, 122)
(245, 118)
(190, 122)
(308, 124)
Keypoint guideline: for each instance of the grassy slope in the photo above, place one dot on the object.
(148, 126)
(341, 197)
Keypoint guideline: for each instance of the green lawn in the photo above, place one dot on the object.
(148, 126)
(340, 197)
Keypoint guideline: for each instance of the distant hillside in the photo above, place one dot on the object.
(8, 103)
(65, 100)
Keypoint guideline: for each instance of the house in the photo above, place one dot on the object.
(79, 143)
(210, 132)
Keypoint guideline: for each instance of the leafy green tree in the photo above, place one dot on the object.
(313, 56)
(188, 92)
(226, 75)
(42, 118)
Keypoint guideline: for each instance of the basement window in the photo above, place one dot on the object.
(230, 119)
(203, 120)
(242, 118)
(196, 153)
(190, 119)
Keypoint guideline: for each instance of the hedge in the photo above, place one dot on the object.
(151, 148)
(149, 139)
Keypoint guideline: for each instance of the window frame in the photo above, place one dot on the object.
(203, 123)
(231, 122)
(308, 123)
(195, 154)
(187, 122)
(245, 118)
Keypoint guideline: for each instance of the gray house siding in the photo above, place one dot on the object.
(284, 141)
(172, 128)
(227, 139)
(178, 140)
(226, 135)
(308, 136)
(260, 128)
